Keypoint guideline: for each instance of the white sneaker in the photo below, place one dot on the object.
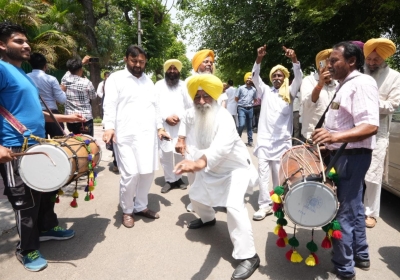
(261, 213)
(189, 208)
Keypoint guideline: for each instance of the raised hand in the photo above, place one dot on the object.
(261, 52)
(290, 53)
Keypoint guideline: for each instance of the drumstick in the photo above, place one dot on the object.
(33, 153)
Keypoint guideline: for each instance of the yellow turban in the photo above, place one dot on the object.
(284, 89)
(199, 57)
(384, 47)
(174, 62)
(207, 82)
(322, 55)
(246, 76)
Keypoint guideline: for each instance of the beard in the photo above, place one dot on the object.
(136, 71)
(207, 70)
(172, 79)
(16, 55)
(205, 119)
(376, 72)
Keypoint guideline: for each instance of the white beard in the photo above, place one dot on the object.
(204, 123)
(377, 73)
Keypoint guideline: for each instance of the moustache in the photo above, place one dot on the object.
(277, 81)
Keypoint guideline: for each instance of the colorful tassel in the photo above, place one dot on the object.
(281, 242)
(276, 198)
(74, 203)
(310, 261)
(60, 192)
(75, 194)
(315, 258)
(279, 190)
(289, 254)
(282, 233)
(271, 193)
(276, 206)
(87, 197)
(282, 222)
(326, 243)
(294, 242)
(91, 196)
(276, 229)
(337, 234)
(279, 214)
(91, 188)
(57, 199)
(312, 247)
(296, 257)
(336, 225)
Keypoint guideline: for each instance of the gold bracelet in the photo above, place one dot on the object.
(163, 129)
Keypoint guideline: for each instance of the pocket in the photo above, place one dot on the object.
(21, 197)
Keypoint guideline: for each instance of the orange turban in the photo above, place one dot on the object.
(246, 76)
(322, 55)
(211, 84)
(384, 47)
(200, 56)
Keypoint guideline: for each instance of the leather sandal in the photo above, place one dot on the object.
(370, 222)
(128, 220)
(195, 224)
(148, 214)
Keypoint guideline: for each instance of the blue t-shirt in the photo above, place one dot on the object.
(19, 95)
(246, 96)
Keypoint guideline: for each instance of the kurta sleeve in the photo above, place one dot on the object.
(306, 88)
(258, 83)
(298, 77)
(222, 143)
(110, 102)
(392, 102)
(184, 122)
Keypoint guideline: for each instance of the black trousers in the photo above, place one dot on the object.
(34, 210)
(81, 128)
(52, 128)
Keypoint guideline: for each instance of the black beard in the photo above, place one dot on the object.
(136, 71)
(15, 55)
(172, 80)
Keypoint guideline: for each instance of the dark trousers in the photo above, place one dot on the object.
(81, 128)
(52, 129)
(351, 170)
(34, 210)
(256, 115)
(245, 115)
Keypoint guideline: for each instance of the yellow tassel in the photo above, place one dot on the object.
(75, 194)
(60, 192)
(333, 171)
(91, 175)
(276, 198)
(286, 240)
(310, 261)
(277, 229)
(296, 257)
(330, 232)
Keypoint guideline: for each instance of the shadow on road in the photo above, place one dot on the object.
(217, 237)
(390, 209)
(392, 262)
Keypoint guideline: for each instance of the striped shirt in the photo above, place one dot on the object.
(79, 92)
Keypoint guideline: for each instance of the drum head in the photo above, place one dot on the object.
(39, 173)
(310, 204)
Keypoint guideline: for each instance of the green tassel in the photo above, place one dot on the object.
(282, 221)
(327, 227)
(53, 198)
(312, 247)
(87, 197)
(279, 214)
(279, 190)
(336, 225)
(294, 242)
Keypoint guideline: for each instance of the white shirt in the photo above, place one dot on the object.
(275, 124)
(100, 90)
(312, 112)
(231, 105)
(131, 109)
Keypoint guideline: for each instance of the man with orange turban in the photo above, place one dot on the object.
(376, 51)
(316, 92)
(173, 100)
(275, 125)
(246, 95)
(203, 62)
(223, 168)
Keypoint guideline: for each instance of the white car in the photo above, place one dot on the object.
(391, 176)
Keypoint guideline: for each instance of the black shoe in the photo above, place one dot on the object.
(180, 185)
(195, 224)
(250, 144)
(166, 188)
(364, 265)
(246, 268)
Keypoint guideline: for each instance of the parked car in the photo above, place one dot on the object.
(391, 176)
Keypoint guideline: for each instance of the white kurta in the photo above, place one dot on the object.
(312, 112)
(231, 104)
(229, 172)
(389, 99)
(275, 125)
(130, 108)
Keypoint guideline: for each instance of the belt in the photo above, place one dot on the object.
(356, 151)
(246, 107)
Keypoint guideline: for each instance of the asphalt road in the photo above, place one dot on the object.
(165, 249)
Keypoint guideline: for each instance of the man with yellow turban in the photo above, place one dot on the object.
(173, 100)
(316, 92)
(223, 170)
(203, 62)
(275, 125)
(376, 51)
(246, 95)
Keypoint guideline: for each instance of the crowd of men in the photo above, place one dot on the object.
(195, 126)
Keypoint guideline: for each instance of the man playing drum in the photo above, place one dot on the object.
(353, 118)
(275, 124)
(34, 210)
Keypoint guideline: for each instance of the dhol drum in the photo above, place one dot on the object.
(71, 157)
(307, 201)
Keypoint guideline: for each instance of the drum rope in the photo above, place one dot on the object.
(321, 164)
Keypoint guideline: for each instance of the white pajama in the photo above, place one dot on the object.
(265, 169)
(372, 199)
(239, 227)
(168, 161)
